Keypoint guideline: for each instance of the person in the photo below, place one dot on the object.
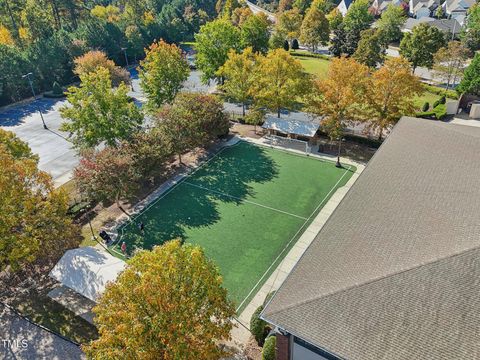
(124, 247)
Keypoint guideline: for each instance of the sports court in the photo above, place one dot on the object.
(246, 207)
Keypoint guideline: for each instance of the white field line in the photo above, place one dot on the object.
(242, 200)
(169, 190)
(293, 237)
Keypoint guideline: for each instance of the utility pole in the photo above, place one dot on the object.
(28, 77)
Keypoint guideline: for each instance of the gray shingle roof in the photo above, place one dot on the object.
(395, 271)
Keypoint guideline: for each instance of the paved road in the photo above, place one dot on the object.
(257, 9)
(55, 151)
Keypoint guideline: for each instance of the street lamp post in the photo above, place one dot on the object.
(28, 77)
(338, 164)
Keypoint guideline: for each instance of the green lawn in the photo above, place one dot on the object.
(426, 97)
(245, 207)
(315, 66)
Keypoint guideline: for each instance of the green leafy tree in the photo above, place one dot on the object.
(335, 18)
(279, 81)
(370, 51)
(470, 83)
(255, 117)
(315, 29)
(254, 33)
(440, 13)
(34, 225)
(106, 175)
(289, 23)
(97, 113)
(450, 61)
(191, 121)
(238, 72)
(471, 32)
(13, 64)
(269, 349)
(213, 43)
(162, 73)
(276, 40)
(358, 17)
(390, 23)
(421, 44)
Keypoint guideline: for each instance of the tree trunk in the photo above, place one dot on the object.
(10, 13)
(278, 113)
(243, 109)
(180, 158)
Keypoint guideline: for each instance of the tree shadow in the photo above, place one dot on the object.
(191, 205)
(13, 116)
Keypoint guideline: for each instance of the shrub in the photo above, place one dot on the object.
(258, 327)
(425, 106)
(57, 89)
(295, 45)
(440, 111)
(443, 100)
(268, 297)
(436, 103)
(312, 55)
(286, 47)
(268, 352)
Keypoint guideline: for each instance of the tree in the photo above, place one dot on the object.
(240, 15)
(173, 296)
(343, 42)
(286, 45)
(358, 17)
(13, 64)
(34, 224)
(391, 94)
(162, 73)
(277, 41)
(279, 81)
(470, 83)
(335, 18)
(97, 113)
(238, 72)
(289, 23)
(370, 52)
(254, 33)
(255, 117)
(315, 29)
(93, 60)
(419, 46)
(191, 121)
(471, 31)
(439, 13)
(106, 175)
(449, 62)
(390, 23)
(213, 43)
(339, 99)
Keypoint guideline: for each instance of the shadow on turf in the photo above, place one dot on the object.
(231, 173)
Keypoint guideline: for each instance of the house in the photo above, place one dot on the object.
(454, 8)
(22, 339)
(422, 8)
(344, 6)
(379, 6)
(449, 26)
(394, 272)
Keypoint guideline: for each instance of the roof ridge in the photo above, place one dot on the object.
(415, 267)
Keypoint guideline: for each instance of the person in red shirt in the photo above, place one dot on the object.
(124, 247)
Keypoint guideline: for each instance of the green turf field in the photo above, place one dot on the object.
(245, 207)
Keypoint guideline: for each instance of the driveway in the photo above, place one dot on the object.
(57, 156)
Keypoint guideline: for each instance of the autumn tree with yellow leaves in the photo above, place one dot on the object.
(391, 94)
(169, 303)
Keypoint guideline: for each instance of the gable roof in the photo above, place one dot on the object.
(87, 271)
(291, 126)
(29, 341)
(393, 274)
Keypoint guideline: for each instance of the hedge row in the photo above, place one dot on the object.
(441, 91)
(311, 55)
